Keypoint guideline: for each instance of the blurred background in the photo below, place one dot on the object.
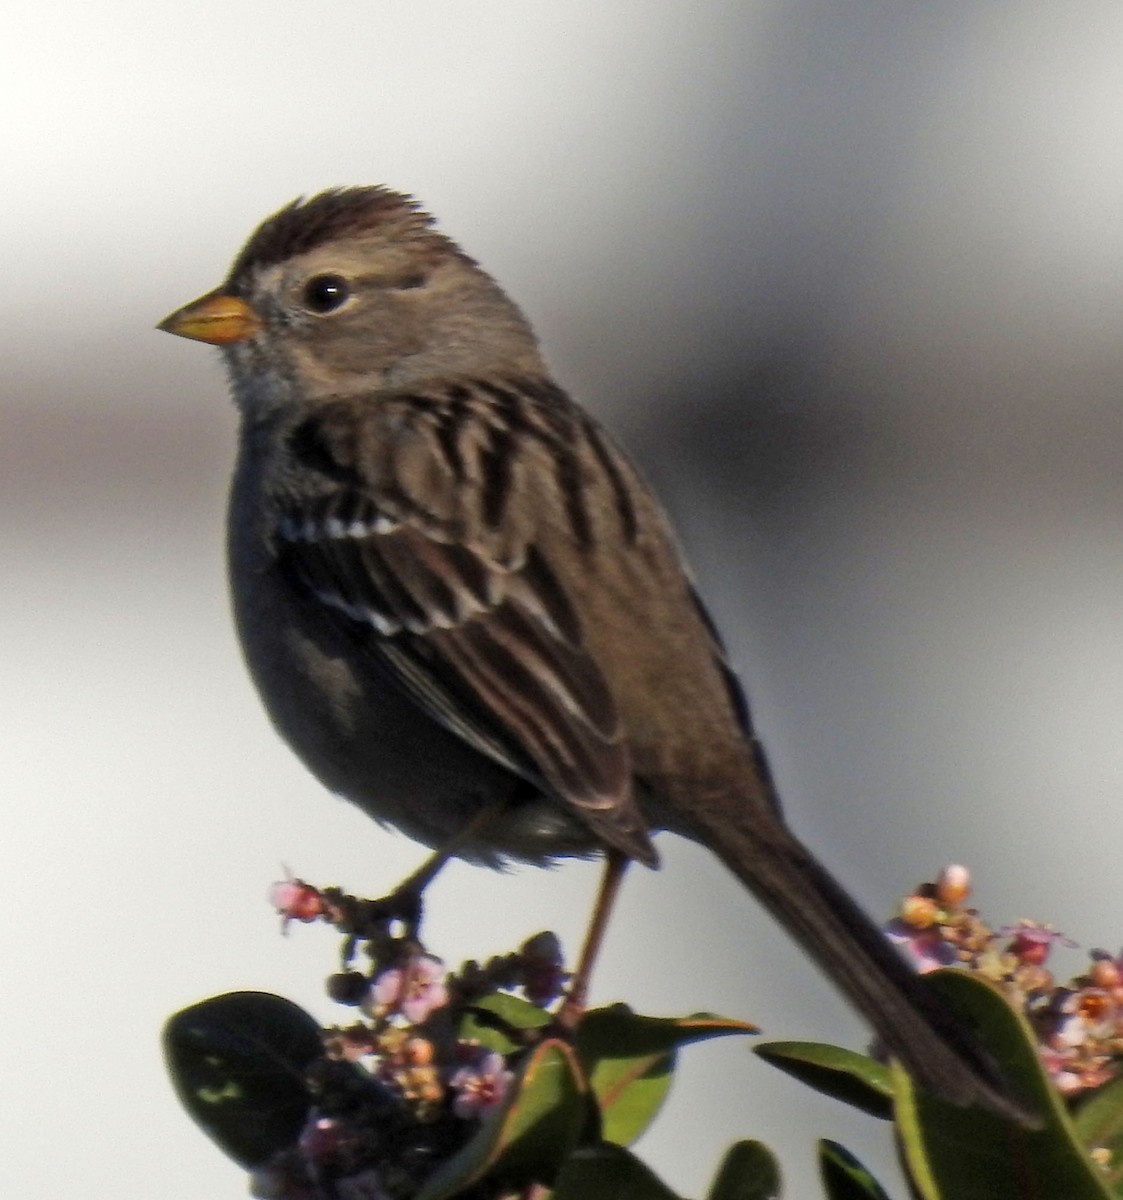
(845, 279)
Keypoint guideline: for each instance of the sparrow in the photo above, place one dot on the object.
(467, 613)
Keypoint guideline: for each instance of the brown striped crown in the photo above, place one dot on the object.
(309, 222)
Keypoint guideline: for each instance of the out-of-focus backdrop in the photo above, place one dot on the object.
(846, 279)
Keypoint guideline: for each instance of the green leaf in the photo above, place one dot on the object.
(955, 1153)
(237, 1063)
(632, 1097)
(540, 1122)
(616, 1031)
(844, 1177)
(629, 1060)
(855, 1079)
(1099, 1125)
(749, 1171)
(497, 1021)
(607, 1172)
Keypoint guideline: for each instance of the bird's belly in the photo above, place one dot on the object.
(366, 740)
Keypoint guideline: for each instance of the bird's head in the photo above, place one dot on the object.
(353, 291)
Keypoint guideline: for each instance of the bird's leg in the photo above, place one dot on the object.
(615, 864)
(405, 902)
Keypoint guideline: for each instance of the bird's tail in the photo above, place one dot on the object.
(911, 1020)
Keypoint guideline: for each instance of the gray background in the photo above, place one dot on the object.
(845, 278)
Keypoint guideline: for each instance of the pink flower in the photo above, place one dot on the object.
(1032, 943)
(296, 900)
(925, 947)
(322, 1138)
(480, 1088)
(365, 1185)
(1059, 1064)
(415, 991)
(285, 1177)
(1096, 1010)
(1105, 971)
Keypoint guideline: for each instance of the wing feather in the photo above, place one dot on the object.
(474, 627)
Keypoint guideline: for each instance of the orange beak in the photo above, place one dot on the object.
(216, 318)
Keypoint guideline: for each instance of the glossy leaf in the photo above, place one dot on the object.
(608, 1172)
(617, 1031)
(629, 1059)
(237, 1063)
(1099, 1125)
(540, 1122)
(498, 1021)
(749, 1171)
(855, 1079)
(956, 1153)
(844, 1177)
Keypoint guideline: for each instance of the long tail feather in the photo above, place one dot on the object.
(911, 1020)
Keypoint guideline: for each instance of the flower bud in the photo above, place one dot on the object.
(347, 987)
(919, 912)
(953, 885)
(1105, 973)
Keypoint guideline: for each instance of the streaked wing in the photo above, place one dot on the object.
(475, 628)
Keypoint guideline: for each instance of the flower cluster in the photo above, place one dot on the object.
(1079, 1024)
(408, 1081)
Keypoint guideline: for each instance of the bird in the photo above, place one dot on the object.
(467, 613)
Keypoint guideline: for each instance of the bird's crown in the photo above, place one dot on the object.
(309, 222)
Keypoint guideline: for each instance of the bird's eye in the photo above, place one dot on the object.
(326, 293)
